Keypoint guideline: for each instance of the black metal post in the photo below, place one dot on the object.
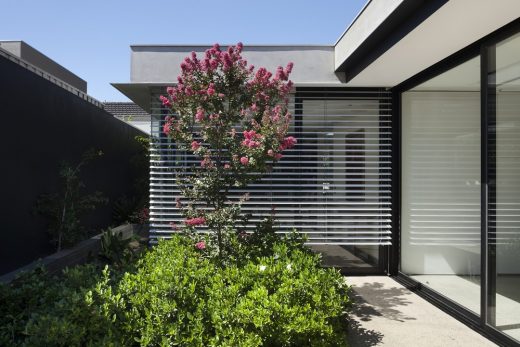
(488, 192)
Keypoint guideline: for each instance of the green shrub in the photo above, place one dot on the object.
(179, 295)
(38, 310)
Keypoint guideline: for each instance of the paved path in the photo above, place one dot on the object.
(387, 314)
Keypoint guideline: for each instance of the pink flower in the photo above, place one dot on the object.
(288, 142)
(170, 90)
(270, 153)
(200, 245)
(289, 67)
(248, 135)
(221, 95)
(206, 162)
(165, 101)
(199, 116)
(227, 166)
(250, 138)
(226, 57)
(195, 221)
(167, 128)
(211, 89)
(250, 143)
(278, 156)
(195, 145)
(173, 225)
(244, 161)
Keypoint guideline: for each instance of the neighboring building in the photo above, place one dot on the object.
(32, 56)
(408, 161)
(48, 118)
(130, 113)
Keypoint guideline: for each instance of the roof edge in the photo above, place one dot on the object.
(231, 44)
(407, 16)
(352, 22)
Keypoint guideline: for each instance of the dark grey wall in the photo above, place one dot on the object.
(42, 125)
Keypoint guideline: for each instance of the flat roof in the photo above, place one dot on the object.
(26, 52)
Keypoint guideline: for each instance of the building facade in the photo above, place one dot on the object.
(130, 113)
(408, 161)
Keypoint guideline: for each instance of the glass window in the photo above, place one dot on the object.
(504, 202)
(440, 180)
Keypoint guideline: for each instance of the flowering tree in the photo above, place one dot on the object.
(235, 120)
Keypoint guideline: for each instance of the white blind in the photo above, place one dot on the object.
(441, 172)
(504, 210)
(334, 185)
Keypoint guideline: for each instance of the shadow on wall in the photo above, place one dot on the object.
(43, 125)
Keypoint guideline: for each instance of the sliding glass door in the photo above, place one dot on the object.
(440, 207)
(460, 186)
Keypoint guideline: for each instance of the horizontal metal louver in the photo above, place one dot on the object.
(334, 185)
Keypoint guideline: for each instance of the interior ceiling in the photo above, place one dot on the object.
(508, 64)
(466, 77)
(454, 26)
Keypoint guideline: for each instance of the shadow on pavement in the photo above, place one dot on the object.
(374, 300)
(358, 336)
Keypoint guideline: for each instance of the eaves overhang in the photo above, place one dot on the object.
(379, 25)
(139, 93)
(410, 36)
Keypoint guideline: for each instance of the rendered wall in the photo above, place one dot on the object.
(312, 64)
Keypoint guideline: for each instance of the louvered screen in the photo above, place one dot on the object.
(334, 185)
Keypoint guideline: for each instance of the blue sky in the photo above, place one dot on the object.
(92, 38)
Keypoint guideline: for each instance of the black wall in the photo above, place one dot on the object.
(42, 125)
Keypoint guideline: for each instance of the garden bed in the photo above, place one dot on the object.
(80, 254)
(273, 292)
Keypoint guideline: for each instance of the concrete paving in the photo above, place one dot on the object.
(385, 313)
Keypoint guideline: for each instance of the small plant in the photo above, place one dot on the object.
(115, 249)
(65, 209)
